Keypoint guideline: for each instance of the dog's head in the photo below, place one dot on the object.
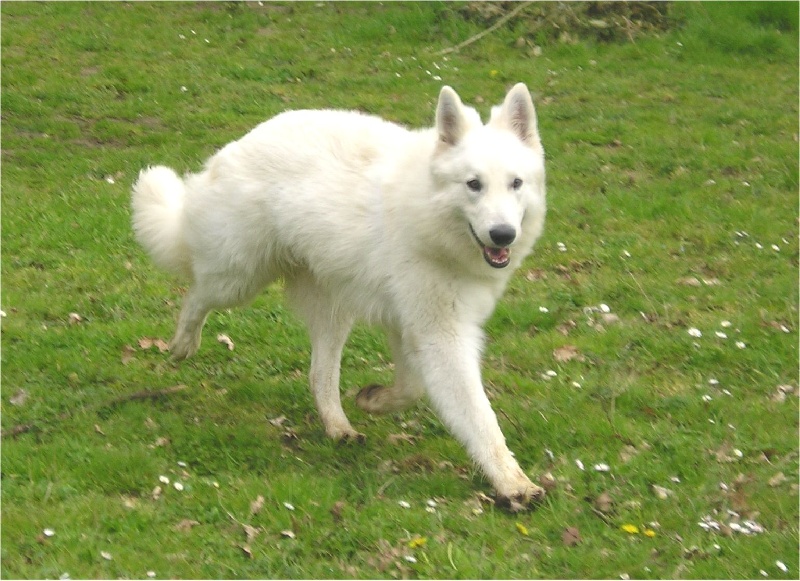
(493, 174)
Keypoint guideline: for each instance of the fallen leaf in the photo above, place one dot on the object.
(19, 398)
(567, 353)
(661, 492)
(257, 505)
(402, 437)
(278, 422)
(225, 340)
(604, 503)
(128, 354)
(75, 318)
(627, 453)
(247, 551)
(777, 480)
(99, 430)
(688, 281)
(571, 536)
(548, 481)
(250, 532)
(566, 328)
(336, 510)
(148, 342)
(186, 525)
(288, 534)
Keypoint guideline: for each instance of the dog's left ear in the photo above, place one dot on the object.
(518, 114)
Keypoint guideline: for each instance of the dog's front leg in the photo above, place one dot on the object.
(449, 362)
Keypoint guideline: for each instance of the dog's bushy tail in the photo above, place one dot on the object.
(158, 198)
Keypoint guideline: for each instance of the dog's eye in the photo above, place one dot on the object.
(516, 184)
(474, 185)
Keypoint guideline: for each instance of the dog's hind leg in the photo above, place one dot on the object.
(328, 329)
(407, 389)
(209, 291)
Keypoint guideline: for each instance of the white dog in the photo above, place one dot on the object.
(416, 231)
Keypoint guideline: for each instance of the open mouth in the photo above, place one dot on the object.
(494, 257)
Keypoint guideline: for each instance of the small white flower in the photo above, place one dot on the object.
(550, 454)
(579, 464)
(288, 505)
(151, 574)
(738, 453)
(551, 373)
(431, 503)
(626, 253)
(163, 479)
(725, 324)
(741, 344)
(602, 467)
(713, 381)
(181, 463)
(561, 246)
(723, 487)
(106, 555)
(675, 479)
(707, 398)
(694, 332)
(49, 532)
(720, 334)
(410, 559)
(404, 504)
(763, 573)
(605, 308)
(576, 385)
(544, 310)
(110, 180)
(759, 246)
(178, 486)
(776, 248)
(183, 89)
(782, 566)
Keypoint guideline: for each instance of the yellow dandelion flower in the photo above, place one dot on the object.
(417, 542)
(649, 533)
(523, 530)
(630, 529)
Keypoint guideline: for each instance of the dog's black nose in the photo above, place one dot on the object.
(503, 234)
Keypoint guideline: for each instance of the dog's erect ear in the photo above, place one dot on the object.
(518, 114)
(450, 122)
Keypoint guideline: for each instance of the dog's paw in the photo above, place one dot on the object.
(523, 500)
(352, 438)
(346, 436)
(180, 349)
(368, 399)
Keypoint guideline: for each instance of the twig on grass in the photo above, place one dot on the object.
(20, 429)
(492, 28)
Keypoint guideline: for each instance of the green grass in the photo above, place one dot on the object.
(670, 159)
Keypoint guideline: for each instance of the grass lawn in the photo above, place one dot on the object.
(645, 357)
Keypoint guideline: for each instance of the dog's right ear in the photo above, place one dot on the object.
(450, 122)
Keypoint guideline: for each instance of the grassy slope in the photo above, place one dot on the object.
(659, 153)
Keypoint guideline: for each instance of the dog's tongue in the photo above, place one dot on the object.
(497, 257)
